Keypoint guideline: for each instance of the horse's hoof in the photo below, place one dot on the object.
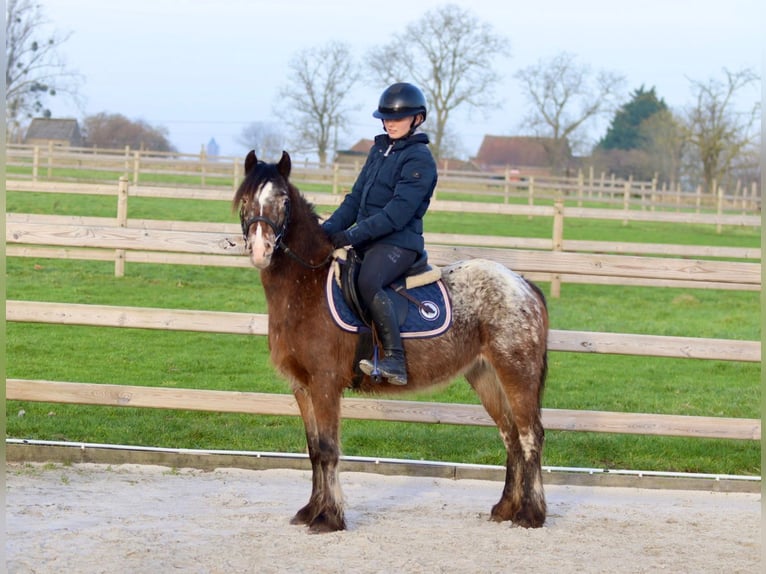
(321, 525)
(501, 512)
(529, 519)
(302, 517)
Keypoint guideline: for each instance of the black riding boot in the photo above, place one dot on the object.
(392, 366)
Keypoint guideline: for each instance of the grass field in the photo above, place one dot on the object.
(200, 360)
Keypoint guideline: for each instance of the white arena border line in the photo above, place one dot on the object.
(378, 460)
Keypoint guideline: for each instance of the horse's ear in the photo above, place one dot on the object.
(284, 166)
(250, 161)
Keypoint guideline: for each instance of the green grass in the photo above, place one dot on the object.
(228, 362)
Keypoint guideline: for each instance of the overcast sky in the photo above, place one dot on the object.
(208, 68)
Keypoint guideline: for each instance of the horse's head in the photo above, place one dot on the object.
(264, 206)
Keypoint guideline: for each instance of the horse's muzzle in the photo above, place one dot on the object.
(261, 249)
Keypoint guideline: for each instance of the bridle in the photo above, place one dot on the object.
(279, 233)
(279, 230)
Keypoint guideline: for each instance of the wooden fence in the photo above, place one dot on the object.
(386, 410)
(46, 163)
(132, 240)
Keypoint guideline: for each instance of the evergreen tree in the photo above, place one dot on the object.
(624, 132)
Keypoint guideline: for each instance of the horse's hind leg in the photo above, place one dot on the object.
(520, 426)
(321, 417)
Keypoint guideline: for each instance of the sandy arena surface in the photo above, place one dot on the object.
(90, 518)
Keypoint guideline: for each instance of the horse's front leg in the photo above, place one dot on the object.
(320, 410)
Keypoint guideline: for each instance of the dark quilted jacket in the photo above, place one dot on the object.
(390, 197)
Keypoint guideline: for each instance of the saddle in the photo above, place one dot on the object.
(419, 274)
(421, 300)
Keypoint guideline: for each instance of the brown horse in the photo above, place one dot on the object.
(497, 340)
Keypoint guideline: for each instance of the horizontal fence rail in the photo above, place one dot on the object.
(331, 200)
(139, 243)
(47, 162)
(374, 409)
(403, 411)
(556, 260)
(257, 324)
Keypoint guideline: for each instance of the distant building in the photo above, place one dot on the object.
(61, 132)
(212, 149)
(356, 154)
(455, 164)
(522, 154)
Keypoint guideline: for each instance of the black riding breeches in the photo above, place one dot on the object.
(381, 265)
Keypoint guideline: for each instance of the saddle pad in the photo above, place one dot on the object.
(431, 319)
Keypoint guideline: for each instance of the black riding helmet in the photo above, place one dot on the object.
(400, 101)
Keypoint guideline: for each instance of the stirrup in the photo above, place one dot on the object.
(373, 369)
(370, 368)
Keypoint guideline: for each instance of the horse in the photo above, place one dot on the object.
(497, 340)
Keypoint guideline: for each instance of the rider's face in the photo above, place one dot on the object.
(398, 128)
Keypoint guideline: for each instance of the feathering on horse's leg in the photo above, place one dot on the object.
(523, 500)
(484, 381)
(306, 514)
(321, 417)
(325, 509)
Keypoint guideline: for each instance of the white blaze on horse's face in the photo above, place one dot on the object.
(262, 239)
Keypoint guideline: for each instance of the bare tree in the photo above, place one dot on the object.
(113, 131)
(34, 68)
(564, 95)
(313, 104)
(449, 54)
(264, 138)
(717, 132)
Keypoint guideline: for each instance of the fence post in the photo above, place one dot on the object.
(626, 199)
(127, 161)
(35, 163)
(531, 193)
(737, 191)
(136, 166)
(50, 159)
(507, 185)
(558, 243)
(122, 221)
(335, 176)
(235, 176)
(602, 185)
(754, 197)
(580, 183)
(719, 210)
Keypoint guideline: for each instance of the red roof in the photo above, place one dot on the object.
(363, 146)
(515, 152)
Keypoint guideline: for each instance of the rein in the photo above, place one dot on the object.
(279, 232)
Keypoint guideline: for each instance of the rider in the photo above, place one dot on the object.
(382, 215)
